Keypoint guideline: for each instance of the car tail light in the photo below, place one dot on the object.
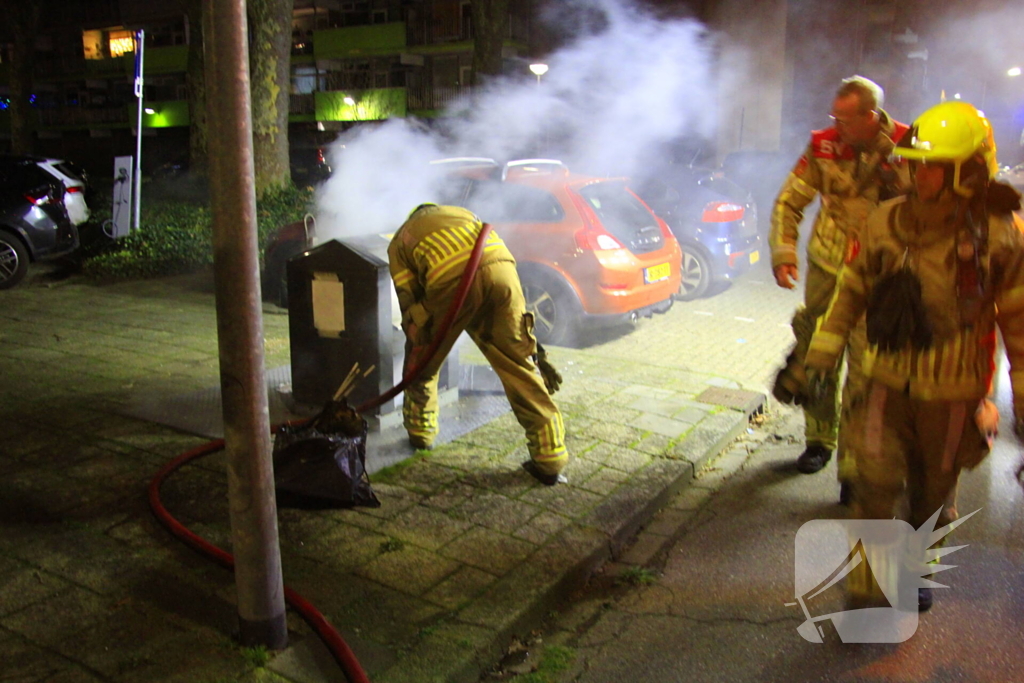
(722, 212)
(320, 155)
(38, 197)
(591, 236)
(73, 189)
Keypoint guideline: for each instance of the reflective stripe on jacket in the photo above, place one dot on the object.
(432, 247)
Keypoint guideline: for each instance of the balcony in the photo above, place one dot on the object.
(84, 117)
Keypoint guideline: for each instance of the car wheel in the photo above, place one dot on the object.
(695, 276)
(276, 273)
(556, 313)
(13, 260)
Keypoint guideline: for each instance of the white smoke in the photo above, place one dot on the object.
(616, 97)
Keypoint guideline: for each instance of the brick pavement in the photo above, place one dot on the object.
(465, 551)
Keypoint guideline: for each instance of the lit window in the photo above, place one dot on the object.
(121, 43)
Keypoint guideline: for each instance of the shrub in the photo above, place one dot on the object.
(177, 237)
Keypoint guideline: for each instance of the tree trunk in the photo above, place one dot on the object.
(490, 27)
(23, 18)
(195, 82)
(270, 47)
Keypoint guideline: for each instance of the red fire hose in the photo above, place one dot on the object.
(332, 639)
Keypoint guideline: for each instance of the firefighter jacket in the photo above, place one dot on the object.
(851, 182)
(430, 251)
(958, 363)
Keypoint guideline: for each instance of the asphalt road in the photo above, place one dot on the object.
(715, 607)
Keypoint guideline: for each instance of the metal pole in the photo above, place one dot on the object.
(251, 500)
(139, 54)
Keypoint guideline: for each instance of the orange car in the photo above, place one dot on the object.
(588, 249)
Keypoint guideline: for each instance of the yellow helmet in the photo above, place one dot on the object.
(951, 132)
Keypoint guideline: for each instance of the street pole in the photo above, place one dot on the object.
(254, 534)
(139, 50)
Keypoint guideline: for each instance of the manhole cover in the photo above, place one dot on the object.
(747, 401)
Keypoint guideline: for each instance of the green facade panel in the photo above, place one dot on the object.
(369, 105)
(359, 40)
(168, 114)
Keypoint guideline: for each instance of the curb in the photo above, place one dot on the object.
(522, 600)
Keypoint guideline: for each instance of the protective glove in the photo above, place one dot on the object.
(552, 378)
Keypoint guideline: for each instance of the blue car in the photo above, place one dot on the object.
(714, 220)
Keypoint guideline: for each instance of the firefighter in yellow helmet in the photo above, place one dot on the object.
(936, 272)
(848, 166)
(427, 257)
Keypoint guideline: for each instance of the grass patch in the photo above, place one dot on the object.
(257, 657)
(637, 576)
(391, 545)
(554, 660)
(389, 474)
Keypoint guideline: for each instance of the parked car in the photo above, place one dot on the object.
(75, 180)
(714, 219)
(34, 223)
(588, 250)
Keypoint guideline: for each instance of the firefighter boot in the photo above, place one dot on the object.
(420, 443)
(813, 458)
(546, 479)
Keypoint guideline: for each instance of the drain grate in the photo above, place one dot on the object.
(750, 402)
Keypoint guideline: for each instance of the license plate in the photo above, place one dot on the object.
(754, 257)
(657, 273)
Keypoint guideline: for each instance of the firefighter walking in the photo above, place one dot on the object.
(848, 166)
(427, 257)
(936, 272)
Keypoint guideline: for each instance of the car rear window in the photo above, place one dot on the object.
(623, 216)
(70, 170)
(25, 177)
(498, 202)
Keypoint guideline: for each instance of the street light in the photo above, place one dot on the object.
(1015, 71)
(539, 70)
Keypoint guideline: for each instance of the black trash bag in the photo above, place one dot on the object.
(896, 317)
(322, 464)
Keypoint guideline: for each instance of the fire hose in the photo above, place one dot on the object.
(342, 653)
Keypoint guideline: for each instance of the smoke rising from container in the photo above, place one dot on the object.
(618, 94)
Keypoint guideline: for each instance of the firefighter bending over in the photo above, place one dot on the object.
(936, 272)
(427, 257)
(848, 165)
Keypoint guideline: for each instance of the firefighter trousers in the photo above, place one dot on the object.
(821, 423)
(909, 457)
(494, 315)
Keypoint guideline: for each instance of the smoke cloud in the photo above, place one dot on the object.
(626, 86)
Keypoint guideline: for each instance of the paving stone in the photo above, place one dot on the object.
(605, 481)
(542, 527)
(666, 426)
(496, 512)
(411, 570)
(459, 588)
(23, 585)
(493, 552)
(425, 527)
(565, 500)
(628, 460)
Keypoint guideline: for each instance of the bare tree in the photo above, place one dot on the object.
(490, 27)
(270, 47)
(195, 83)
(22, 19)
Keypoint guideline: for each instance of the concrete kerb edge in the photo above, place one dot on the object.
(608, 545)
